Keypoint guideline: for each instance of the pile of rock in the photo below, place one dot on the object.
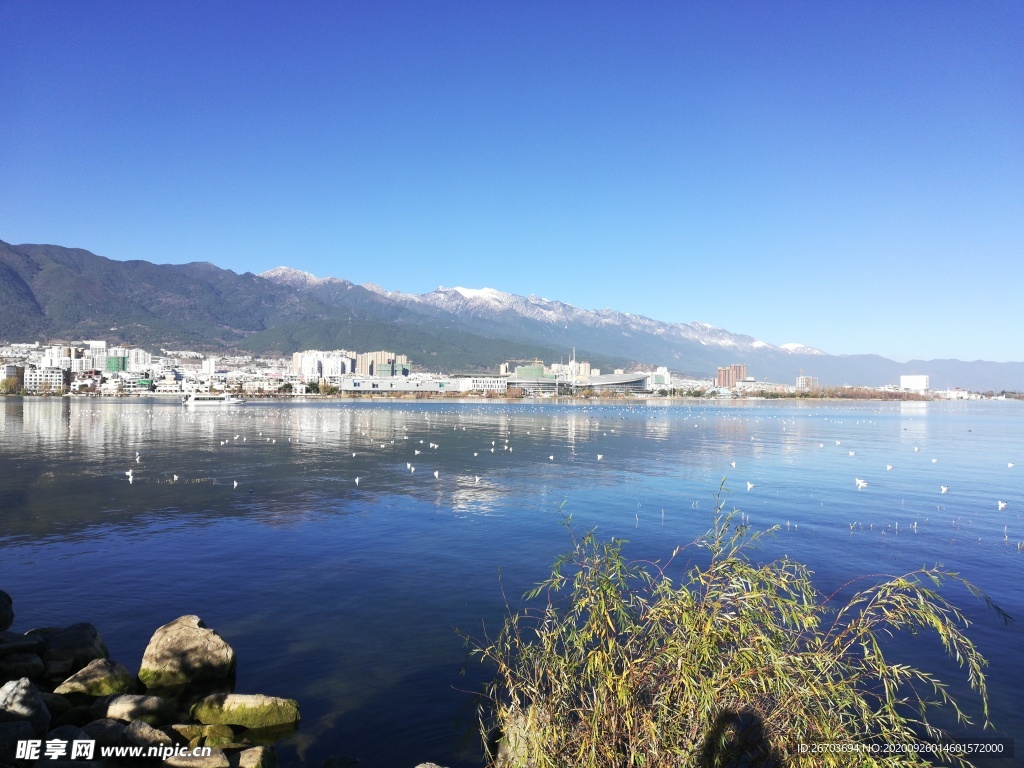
(59, 684)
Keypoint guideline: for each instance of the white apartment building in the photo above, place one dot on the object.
(52, 379)
(914, 383)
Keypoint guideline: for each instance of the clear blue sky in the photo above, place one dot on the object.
(845, 175)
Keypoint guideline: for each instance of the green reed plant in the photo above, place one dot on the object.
(733, 664)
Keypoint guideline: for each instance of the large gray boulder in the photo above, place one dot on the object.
(100, 677)
(6, 611)
(140, 734)
(78, 644)
(153, 710)
(20, 700)
(248, 710)
(185, 651)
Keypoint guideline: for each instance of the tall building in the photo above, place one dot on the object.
(914, 382)
(730, 374)
(807, 383)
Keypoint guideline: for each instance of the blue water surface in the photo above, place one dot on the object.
(352, 597)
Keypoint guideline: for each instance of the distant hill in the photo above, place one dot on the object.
(50, 292)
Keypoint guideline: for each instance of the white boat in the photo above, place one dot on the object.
(209, 398)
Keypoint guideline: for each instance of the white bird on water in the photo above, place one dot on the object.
(436, 474)
(138, 459)
(175, 478)
(235, 484)
(888, 467)
(1009, 465)
(750, 485)
(1002, 505)
(732, 464)
(852, 453)
(600, 456)
(551, 458)
(477, 480)
(357, 481)
(860, 483)
(943, 489)
(935, 461)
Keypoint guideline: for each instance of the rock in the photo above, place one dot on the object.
(256, 757)
(19, 700)
(57, 670)
(141, 734)
(79, 644)
(250, 711)
(57, 705)
(188, 731)
(6, 611)
(17, 665)
(10, 734)
(107, 732)
(79, 716)
(216, 759)
(185, 651)
(12, 642)
(152, 710)
(68, 733)
(217, 735)
(99, 677)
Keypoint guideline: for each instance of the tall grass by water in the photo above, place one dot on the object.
(726, 663)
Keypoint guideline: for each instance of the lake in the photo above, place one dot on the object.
(350, 597)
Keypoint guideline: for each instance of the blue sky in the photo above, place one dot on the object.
(849, 176)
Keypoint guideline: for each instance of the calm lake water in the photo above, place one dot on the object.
(348, 596)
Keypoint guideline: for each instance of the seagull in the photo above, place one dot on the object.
(1002, 505)
(138, 459)
(477, 480)
(175, 478)
(436, 474)
(732, 464)
(935, 461)
(837, 442)
(750, 485)
(1009, 465)
(475, 453)
(600, 456)
(128, 473)
(130, 479)
(416, 452)
(551, 458)
(916, 449)
(888, 467)
(851, 453)
(860, 483)
(357, 481)
(943, 489)
(235, 485)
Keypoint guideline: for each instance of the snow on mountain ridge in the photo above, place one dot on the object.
(493, 305)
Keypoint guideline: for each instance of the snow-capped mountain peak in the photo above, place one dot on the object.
(795, 348)
(294, 277)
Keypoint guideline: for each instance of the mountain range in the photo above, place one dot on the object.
(49, 292)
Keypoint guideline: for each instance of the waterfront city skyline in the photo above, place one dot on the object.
(849, 178)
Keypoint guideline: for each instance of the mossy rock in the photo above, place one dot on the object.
(99, 677)
(249, 711)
